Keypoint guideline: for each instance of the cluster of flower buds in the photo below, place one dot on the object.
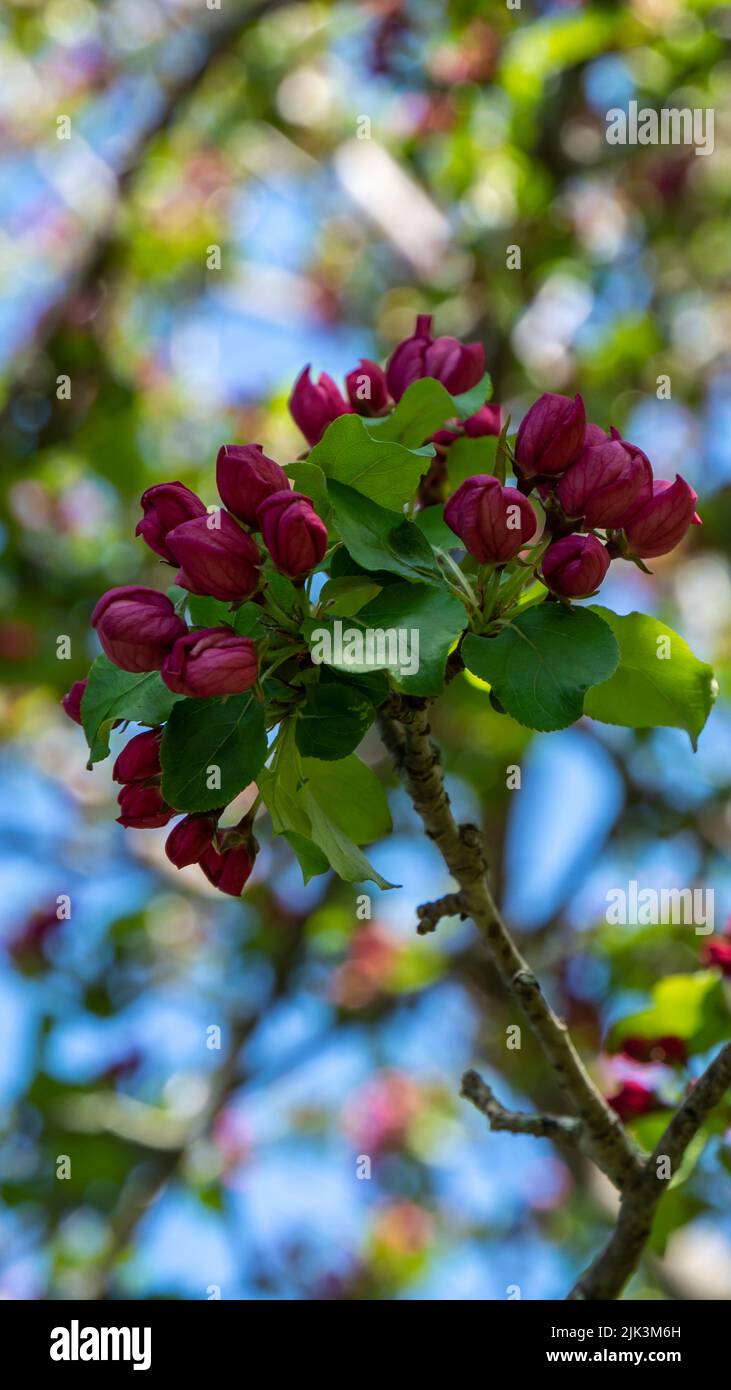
(140, 630)
(638, 1096)
(589, 480)
(371, 390)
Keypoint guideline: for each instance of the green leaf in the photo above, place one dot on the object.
(379, 540)
(431, 521)
(469, 402)
(469, 456)
(214, 612)
(433, 618)
(113, 694)
(691, 1007)
(311, 860)
(542, 664)
(352, 794)
(378, 468)
(333, 806)
(658, 681)
(332, 721)
(228, 734)
(346, 595)
(425, 407)
(310, 480)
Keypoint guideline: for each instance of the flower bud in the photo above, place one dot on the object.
(494, 522)
(166, 506)
(139, 760)
(136, 626)
(214, 661)
(314, 405)
(635, 1099)
(366, 388)
(71, 701)
(486, 420)
(457, 365)
(605, 482)
(551, 435)
(220, 560)
(230, 868)
(142, 806)
(575, 566)
(244, 477)
(189, 839)
(666, 1049)
(717, 953)
(658, 525)
(293, 533)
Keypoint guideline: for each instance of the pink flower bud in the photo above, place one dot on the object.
(635, 1099)
(230, 868)
(244, 477)
(139, 760)
(486, 420)
(293, 533)
(605, 482)
(216, 559)
(666, 1049)
(366, 388)
(71, 701)
(551, 435)
(189, 839)
(493, 521)
(658, 525)
(142, 806)
(575, 566)
(457, 365)
(314, 405)
(136, 627)
(213, 661)
(166, 506)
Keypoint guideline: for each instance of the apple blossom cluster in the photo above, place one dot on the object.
(587, 482)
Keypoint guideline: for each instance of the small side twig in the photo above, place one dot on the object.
(475, 1089)
(431, 914)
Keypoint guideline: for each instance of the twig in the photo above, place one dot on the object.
(462, 850)
(516, 1121)
(606, 1276)
(431, 914)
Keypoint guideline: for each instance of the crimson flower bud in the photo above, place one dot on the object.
(634, 1099)
(493, 521)
(213, 661)
(244, 477)
(71, 701)
(486, 420)
(551, 435)
(166, 506)
(664, 1049)
(230, 868)
(457, 365)
(293, 533)
(366, 388)
(136, 627)
(139, 760)
(658, 525)
(189, 839)
(221, 560)
(717, 952)
(575, 566)
(142, 806)
(605, 483)
(314, 405)
(27, 943)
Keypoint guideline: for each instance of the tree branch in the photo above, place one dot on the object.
(516, 1121)
(606, 1276)
(462, 850)
(431, 914)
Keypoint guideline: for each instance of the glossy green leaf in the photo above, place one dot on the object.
(380, 469)
(219, 741)
(113, 694)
